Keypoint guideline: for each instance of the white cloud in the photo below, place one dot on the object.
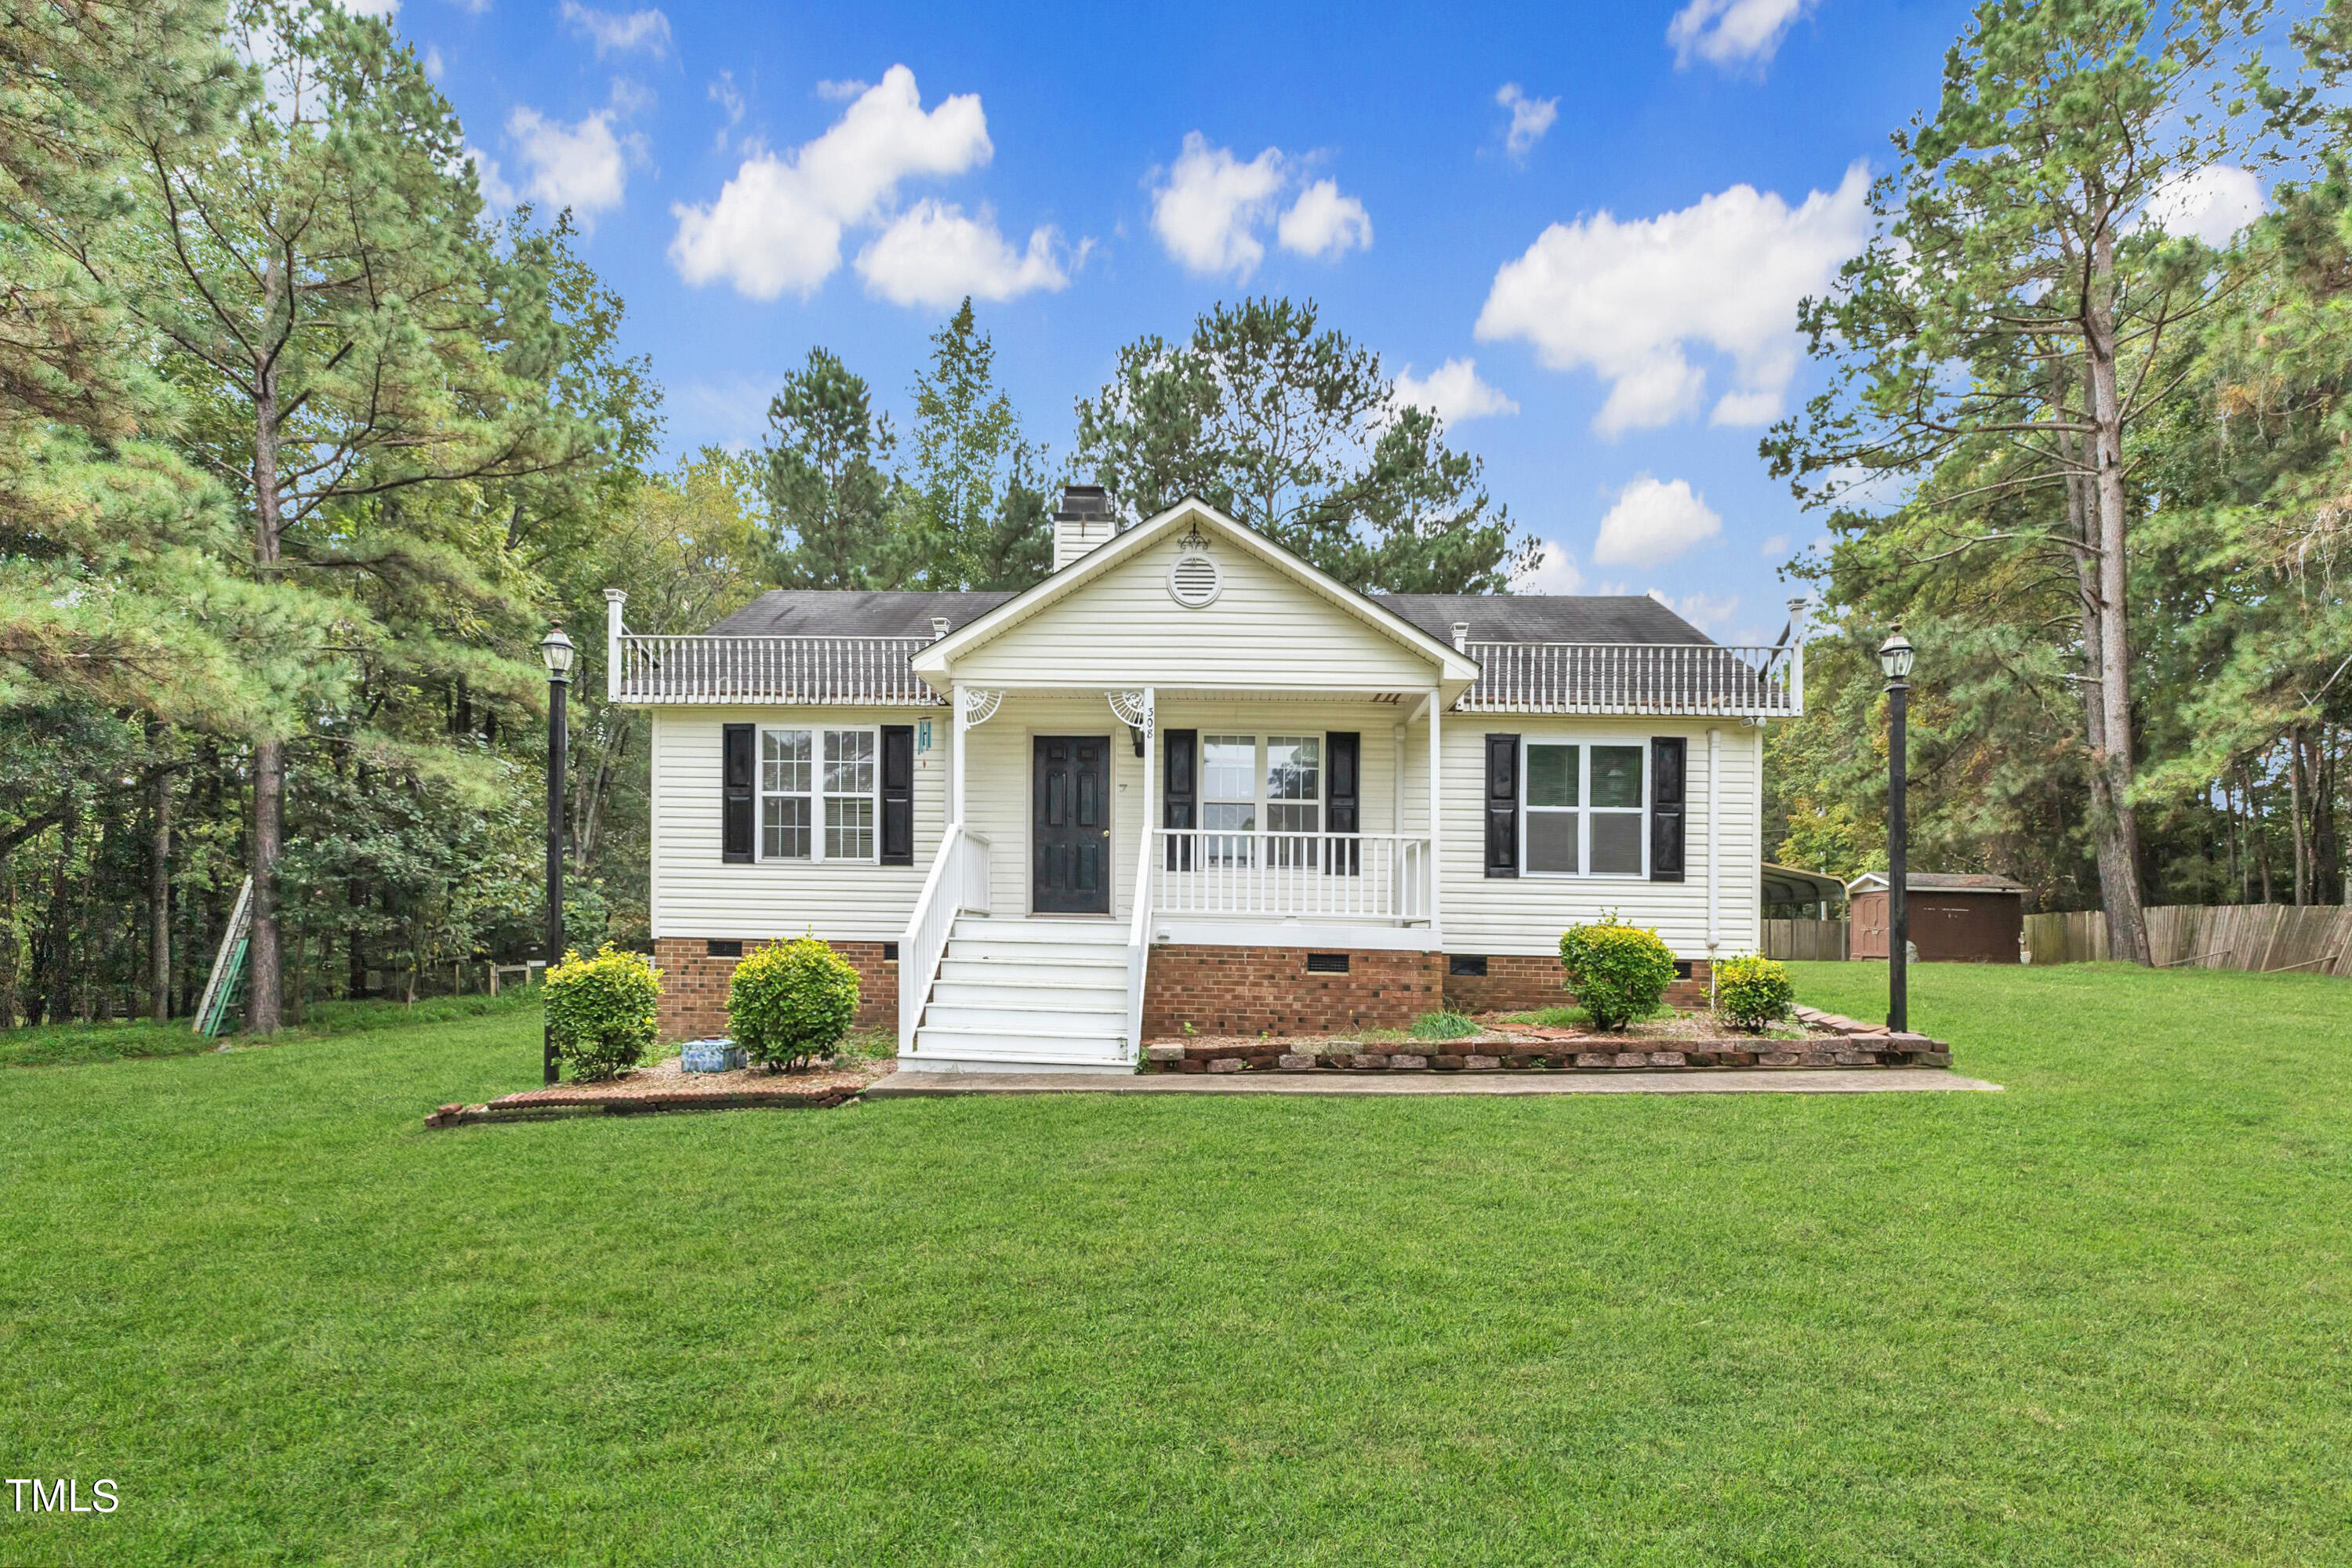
(2211, 204)
(722, 92)
(1554, 572)
(584, 165)
(387, 9)
(1708, 612)
(777, 224)
(1629, 300)
(433, 61)
(841, 92)
(1324, 224)
(933, 255)
(479, 7)
(1733, 33)
(1774, 544)
(1653, 522)
(1530, 118)
(1212, 202)
(615, 33)
(1452, 392)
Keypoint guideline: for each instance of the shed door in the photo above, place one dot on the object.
(1069, 824)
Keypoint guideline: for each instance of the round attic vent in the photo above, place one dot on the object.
(1195, 580)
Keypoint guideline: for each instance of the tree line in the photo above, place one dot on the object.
(2096, 466)
(302, 448)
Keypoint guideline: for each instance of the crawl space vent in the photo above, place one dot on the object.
(1194, 580)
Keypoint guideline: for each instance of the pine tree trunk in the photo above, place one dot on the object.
(2294, 796)
(158, 897)
(2117, 825)
(265, 964)
(60, 954)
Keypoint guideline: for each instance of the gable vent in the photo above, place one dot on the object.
(1195, 580)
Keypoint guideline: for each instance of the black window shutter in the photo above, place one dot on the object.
(1180, 795)
(1343, 808)
(897, 794)
(1667, 755)
(1502, 806)
(739, 767)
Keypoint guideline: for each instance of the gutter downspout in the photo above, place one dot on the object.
(1714, 852)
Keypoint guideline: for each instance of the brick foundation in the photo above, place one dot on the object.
(694, 985)
(1519, 983)
(1255, 990)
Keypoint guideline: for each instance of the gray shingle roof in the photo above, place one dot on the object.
(854, 613)
(1493, 617)
(1942, 882)
(1544, 617)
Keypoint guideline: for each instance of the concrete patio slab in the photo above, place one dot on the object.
(904, 1085)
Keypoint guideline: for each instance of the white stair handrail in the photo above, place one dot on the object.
(957, 882)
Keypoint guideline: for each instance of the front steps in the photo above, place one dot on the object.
(1026, 995)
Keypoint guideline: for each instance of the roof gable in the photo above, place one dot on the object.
(1106, 561)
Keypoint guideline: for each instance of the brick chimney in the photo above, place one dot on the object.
(1085, 521)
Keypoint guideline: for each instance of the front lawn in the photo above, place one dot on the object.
(2101, 1318)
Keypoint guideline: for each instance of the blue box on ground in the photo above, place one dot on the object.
(710, 1055)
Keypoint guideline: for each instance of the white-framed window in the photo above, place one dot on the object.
(1247, 783)
(1229, 798)
(818, 797)
(1587, 812)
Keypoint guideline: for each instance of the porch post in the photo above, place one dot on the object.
(1147, 862)
(955, 758)
(1436, 818)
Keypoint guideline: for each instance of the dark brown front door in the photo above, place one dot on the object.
(1069, 828)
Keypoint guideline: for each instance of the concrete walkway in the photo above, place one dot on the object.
(1776, 1080)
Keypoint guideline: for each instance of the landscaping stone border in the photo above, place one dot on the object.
(663, 1088)
(1842, 1042)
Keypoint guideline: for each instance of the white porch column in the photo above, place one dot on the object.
(955, 758)
(1437, 817)
(614, 599)
(1147, 863)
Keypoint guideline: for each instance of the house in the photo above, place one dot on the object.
(1965, 917)
(1190, 780)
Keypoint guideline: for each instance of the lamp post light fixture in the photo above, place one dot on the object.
(555, 651)
(1894, 656)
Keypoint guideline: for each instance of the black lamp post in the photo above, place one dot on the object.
(555, 651)
(1895, 658)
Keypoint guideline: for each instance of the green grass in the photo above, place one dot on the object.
(1441, 1027)
(2099, 1318)
(67, 1045)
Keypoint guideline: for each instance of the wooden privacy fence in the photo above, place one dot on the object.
(2315, 940)
(1805, 939)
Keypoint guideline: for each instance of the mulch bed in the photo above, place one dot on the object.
(667, 1086)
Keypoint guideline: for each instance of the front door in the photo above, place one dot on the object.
(1069, 826)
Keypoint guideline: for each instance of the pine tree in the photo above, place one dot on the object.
(982, 518)
(1296, 432)
(829, 498)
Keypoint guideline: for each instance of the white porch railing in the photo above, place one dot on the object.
(1636, 678)
(1139, 941)
(1282, 876)
(958, 884)
(686, 668)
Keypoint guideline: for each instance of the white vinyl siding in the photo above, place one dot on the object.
(695, 894)
(1266, 630)
(1525, 914)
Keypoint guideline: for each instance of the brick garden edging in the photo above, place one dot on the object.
(663, 1088)
(1843, 1043)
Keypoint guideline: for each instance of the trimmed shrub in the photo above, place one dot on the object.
(1618, 972)
(791, 1003)
(1752, 992)
(600, 1010)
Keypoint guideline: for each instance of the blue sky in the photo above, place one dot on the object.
(1608, 293)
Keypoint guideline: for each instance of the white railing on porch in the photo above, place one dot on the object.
(958, 884)
(1636, 678)
(1139, 939)
(1281, 876)
(691, 668)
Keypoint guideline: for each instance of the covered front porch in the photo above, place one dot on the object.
(1088, 820)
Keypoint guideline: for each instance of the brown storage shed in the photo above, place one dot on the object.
(1967, 918)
